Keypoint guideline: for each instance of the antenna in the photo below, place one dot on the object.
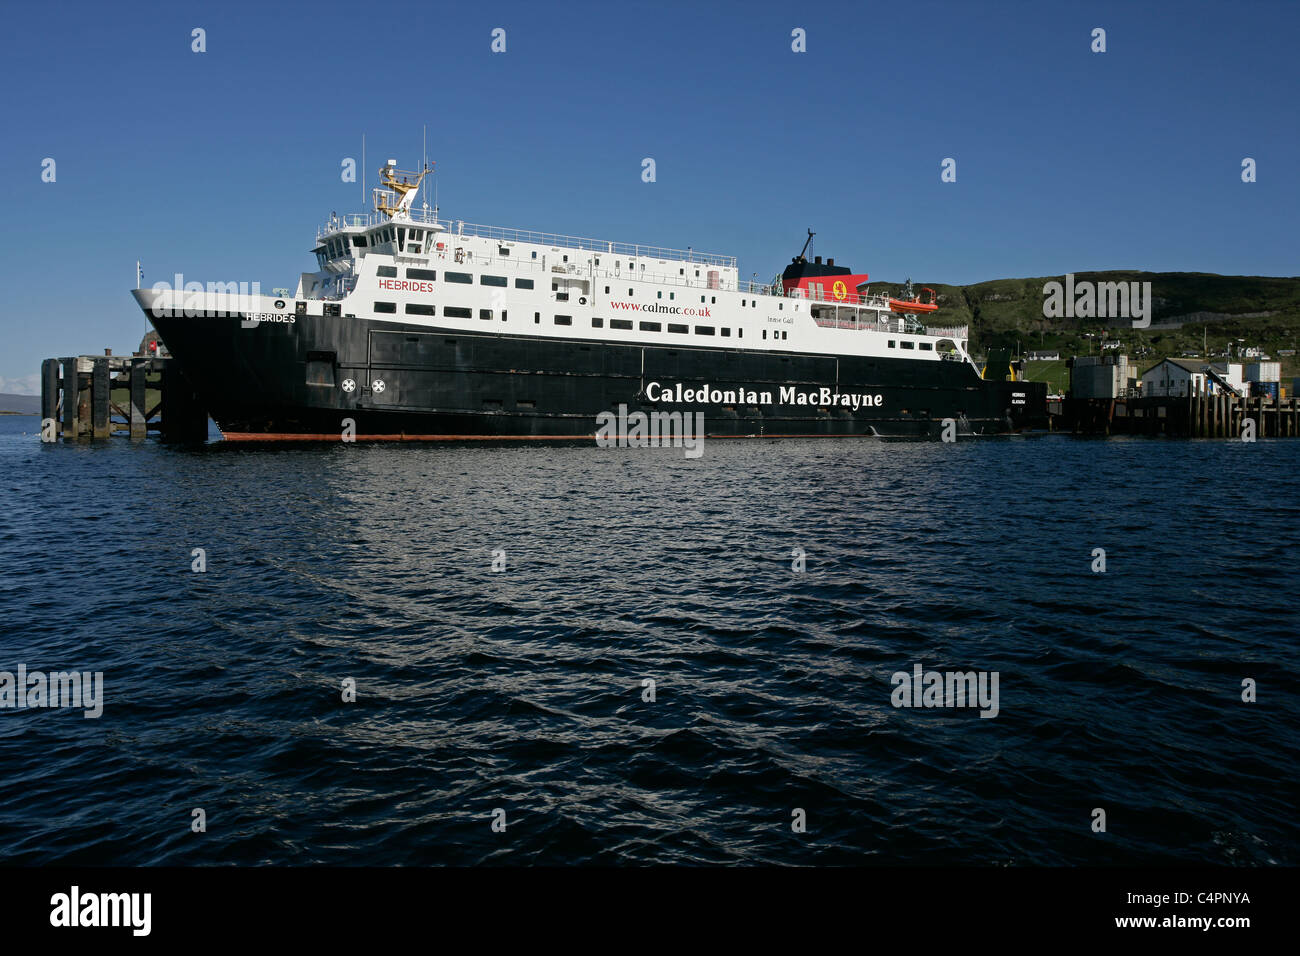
(424, 146)
(363, 170)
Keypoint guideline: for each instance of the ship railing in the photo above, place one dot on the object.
(349, 220)
(635, 250)
(827, 295)
(826, 321)
(455, 228)
(958, 333)
(758, 288)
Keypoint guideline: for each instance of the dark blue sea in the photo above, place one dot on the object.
(519, 694)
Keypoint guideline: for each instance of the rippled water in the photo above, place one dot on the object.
(522, 690)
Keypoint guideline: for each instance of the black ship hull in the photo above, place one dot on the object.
(308, 377)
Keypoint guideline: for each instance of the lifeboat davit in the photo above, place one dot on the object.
(916, 303)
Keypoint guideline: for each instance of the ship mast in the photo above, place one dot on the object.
(807, 243)
(399, 190)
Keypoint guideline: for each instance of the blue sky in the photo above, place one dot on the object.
(221, 165)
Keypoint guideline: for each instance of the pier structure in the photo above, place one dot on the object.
(92, 397)
(1198, 414)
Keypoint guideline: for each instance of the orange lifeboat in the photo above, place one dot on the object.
(916, 303)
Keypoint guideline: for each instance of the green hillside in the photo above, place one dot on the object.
(1008, 313)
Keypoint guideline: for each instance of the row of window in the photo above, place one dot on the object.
(464, 278)
(712, 300)
(458, 312)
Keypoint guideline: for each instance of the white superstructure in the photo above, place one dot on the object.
(408, 266)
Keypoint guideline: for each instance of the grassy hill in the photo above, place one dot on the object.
(1195, 313)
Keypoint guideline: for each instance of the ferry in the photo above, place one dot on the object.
(413, 327)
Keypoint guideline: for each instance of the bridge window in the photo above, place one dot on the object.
(386, 272)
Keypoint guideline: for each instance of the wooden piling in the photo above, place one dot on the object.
(138, 418)
(99, 397)
(49, 391)
(77, 391)
(70, 398)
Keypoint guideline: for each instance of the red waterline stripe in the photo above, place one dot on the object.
(335, 436)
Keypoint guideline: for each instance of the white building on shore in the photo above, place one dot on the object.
(1173, 378)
